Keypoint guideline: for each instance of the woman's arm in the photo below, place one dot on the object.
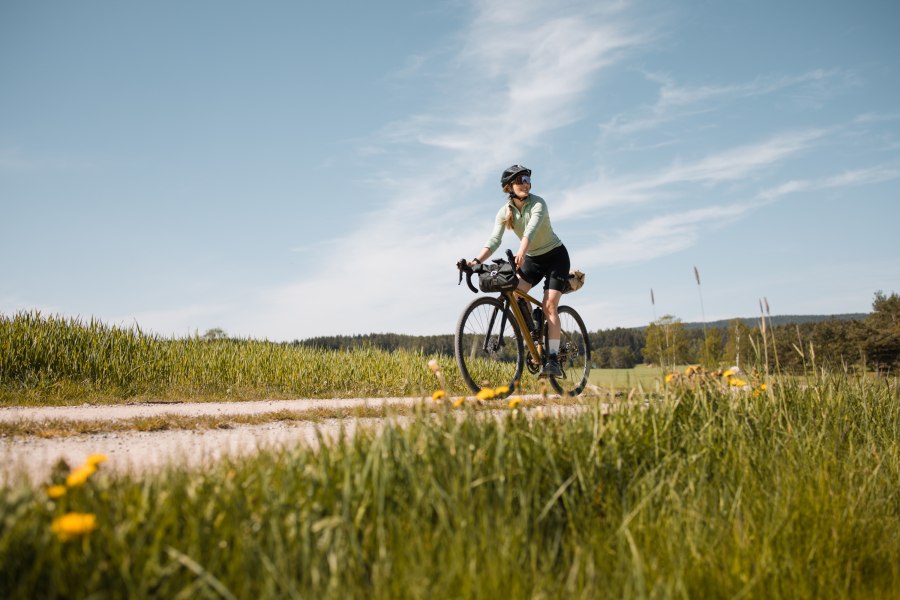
(523, 248)
(493, 242)
(482, 256)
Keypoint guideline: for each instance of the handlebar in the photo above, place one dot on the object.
(464, 269)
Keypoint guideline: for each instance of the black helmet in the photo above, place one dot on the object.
(513, 172)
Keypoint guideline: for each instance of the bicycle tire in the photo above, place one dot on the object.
(488, 357)
(574, 353)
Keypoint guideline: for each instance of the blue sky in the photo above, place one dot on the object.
(290, 169)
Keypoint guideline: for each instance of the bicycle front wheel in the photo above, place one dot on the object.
(489, 347)
(574, 353)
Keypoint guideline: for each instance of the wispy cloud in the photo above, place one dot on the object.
(855, 177)
(719, 167)
(659, 236)
(519, 74)
(677, 101)
(671, 233)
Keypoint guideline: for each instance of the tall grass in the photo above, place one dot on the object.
(49, 359)
(701, 493)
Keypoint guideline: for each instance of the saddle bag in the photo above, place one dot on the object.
(576, 280)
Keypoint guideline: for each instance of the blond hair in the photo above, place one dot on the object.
(509, 213)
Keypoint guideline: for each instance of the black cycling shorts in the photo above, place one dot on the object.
(553, 265)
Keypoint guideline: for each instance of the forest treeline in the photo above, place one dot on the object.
(792, 344)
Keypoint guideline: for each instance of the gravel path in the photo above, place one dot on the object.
(87, 412)
(31, 458)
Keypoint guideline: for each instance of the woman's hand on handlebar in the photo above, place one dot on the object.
(520, 259)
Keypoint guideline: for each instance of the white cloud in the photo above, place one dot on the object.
(519, 74)
(856, 177)
(659, 236)
(719, 167)
(676, 101)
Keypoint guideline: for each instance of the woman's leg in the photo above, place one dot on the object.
(551, 313)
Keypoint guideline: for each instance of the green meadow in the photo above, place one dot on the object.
(698, 492)
(694, 488)
(49, 360)
(625, 379)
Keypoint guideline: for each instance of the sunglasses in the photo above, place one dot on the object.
(523, 180)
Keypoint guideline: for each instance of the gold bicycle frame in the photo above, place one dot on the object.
(534, 348)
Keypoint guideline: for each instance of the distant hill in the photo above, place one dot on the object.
(444, 343)
(780, 320)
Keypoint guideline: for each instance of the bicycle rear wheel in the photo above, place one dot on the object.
(489, 348)
(574, 354)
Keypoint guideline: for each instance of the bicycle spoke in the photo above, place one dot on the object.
(488, 346)
(574, 355)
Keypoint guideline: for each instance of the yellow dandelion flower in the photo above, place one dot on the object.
(73, 524)
(80, 475)
(56, 491)
(514, 402)
(670, 377)
(438, 395)
(736, 382)
(762, 387)
(485, 394)
(502, 390)
(728, 373)
(692, 369)
(96, 459)
(459, 402)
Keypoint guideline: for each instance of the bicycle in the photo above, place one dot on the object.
(493, 333)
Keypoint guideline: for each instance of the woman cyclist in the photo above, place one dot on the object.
(541, 254)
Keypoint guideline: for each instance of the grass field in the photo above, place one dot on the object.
(47, 360)
(700, 492)
(622, 379)
(691, 488)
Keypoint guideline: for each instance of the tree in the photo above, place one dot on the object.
(216, 333)
(742, 341)
(666, 342)
(713, 353)
(882, 343)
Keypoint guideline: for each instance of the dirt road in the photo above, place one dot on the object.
(31, 458)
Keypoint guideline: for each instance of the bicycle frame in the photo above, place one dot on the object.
(511, 300)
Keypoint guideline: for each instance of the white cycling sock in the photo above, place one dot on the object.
(553, 346)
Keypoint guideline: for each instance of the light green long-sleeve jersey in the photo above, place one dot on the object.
(532, 221)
